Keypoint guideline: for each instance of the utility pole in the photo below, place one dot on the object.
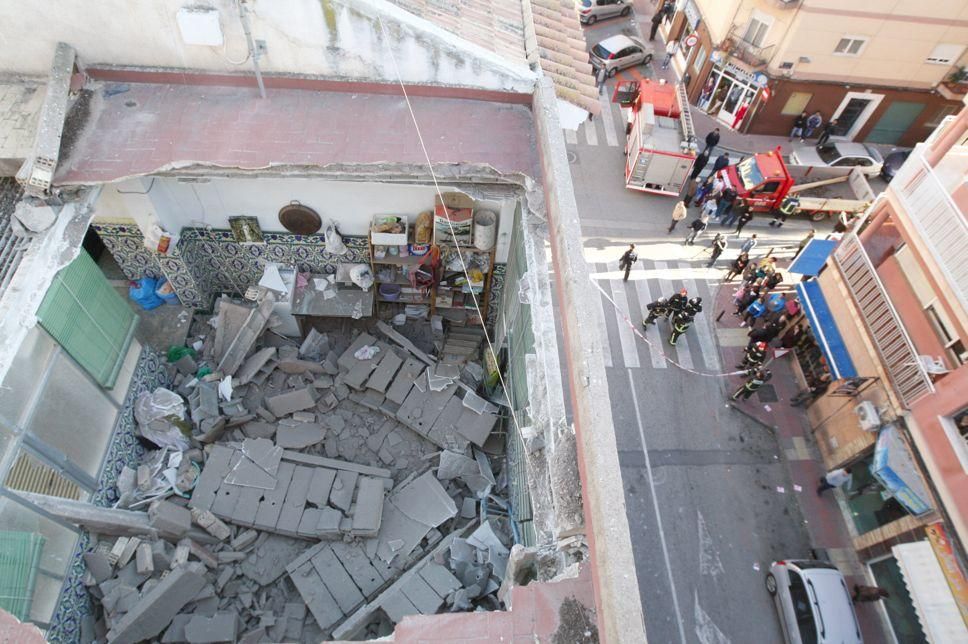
(253, 51)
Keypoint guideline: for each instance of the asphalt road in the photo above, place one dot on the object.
(700, 478)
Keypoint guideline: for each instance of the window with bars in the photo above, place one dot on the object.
(89, 319)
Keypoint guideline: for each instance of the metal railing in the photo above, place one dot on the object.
(756, 56)
(942, 226)
(897, 352)
(13, 245)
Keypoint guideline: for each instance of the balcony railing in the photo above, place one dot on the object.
(736, 45)
(942, 226)
(897, 352)
(12, 244)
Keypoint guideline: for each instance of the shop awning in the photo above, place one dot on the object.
(933, 602)
(813, 256)
(894, 467)
(825, 330)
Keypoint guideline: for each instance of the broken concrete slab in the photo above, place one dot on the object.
(404, 342)
(425, 500)
(222, 627)
(257, 429)
(252, 328)
(156, 608)
(422, 595)
(287, 403)
(339, 583)
(366, 577)
(347, 359)
(299, 366)
(439, 578)
(299, 436)
(403, 381)
(368, 508)
(99, 565)
(211, 524)
(315, 346)
(295, 503)
(319, 600)
(320, 486)
(268, 560)
(476, 427)
(336, 464)
(382, 376)
(254, 363)
(341, 494)
(169, 519)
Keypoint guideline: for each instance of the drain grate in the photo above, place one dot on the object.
(573, 157)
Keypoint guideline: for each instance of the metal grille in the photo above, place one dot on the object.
(895, 347)
(12, 246)
(938, 219)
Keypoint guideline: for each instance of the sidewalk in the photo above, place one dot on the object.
(770, 408)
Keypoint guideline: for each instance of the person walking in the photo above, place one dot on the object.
(833, 479)
(719, 245)
(712, 140)
(709, 208)
(754, 356)
(756, 379)
(814, 121)
(749, 244)
(789, 206)
(826, 132)
(677, 303)
(656, 21)
(657, 309)
(692, 187)
(697, 227)
(737, 267)
(678, 214)
(799, 125)
(868, 593)
(699, 164)
(724, 205)
(721, 162)
(627, 260)
(601, 74)
(680, 324)
(671, 48)
(743, 215)
(803, 243)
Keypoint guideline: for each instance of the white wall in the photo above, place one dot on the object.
(332, 38)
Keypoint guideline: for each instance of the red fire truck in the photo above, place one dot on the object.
(661, 143)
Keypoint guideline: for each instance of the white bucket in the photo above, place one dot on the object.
(485, 229)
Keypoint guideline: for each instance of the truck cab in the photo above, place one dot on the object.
(761, 179)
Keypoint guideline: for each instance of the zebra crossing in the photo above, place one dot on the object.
(607, 129)
(650, 280)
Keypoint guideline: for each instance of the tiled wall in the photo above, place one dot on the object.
(124, 449)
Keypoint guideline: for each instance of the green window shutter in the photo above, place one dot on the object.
(89, 319)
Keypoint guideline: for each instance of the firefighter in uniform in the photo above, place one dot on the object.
(693, 307)
(680, 323)
(789, 206)
(659, 308)
(678, 302)
(757, 378)
(754, 356)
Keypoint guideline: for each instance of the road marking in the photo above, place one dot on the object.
(706, 631)
(683, 356)
(655, 509)
(707, 344)
(630, 349)
(608, 120)
(591, 134)
(709, 561)
(651, 331)
(601, 303)
(571, 137)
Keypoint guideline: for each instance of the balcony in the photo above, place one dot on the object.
(925, 193)
(786, 4)
(897, 352)
(737, 46)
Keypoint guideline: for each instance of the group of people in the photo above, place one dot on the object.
(805, 125)
(679, 309)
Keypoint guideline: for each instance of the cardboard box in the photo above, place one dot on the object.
(453, 218)
(389, 239)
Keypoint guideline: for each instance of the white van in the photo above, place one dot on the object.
(813, 602)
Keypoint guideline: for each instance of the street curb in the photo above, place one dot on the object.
(749, 415)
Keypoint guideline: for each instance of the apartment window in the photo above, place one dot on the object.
(796, 104)
(945, 54)
(757, 28)
(850, 45)
(956, 429)
(942, 326)
(940, 115)
(700, 58)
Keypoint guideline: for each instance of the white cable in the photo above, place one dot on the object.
(460, 253)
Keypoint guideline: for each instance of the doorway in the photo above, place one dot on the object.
(726, 96)
(853, 112)
(896, 120)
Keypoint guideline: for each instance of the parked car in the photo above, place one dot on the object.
(839, 155)
(893, 163)
(813, 602)
(619, 52)
(591, 11)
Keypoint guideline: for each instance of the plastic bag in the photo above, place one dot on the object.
(361, 276)
(176, 353)
(158, 404)
(142, 291)
(334, 242)
(366, 352)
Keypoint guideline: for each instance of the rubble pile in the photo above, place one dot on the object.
(300, 491)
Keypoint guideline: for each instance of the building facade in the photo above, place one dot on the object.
(888, 75)
(889, 313)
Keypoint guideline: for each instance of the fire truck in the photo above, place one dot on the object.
(660, 143)
(764, 179)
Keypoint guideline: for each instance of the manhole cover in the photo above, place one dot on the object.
(572, 156)
(767, 394)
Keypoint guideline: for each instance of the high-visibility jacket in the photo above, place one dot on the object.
(790, 205)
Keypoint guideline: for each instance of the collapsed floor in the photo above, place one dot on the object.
(305, 491)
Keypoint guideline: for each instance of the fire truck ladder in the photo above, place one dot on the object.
(685, 116)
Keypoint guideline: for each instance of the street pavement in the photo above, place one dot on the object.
(709, 497)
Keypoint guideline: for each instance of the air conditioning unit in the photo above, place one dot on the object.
(867, 415)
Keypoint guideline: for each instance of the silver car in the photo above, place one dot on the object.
(619, 52)
(813, 602)
(842, 154)
(591, 11)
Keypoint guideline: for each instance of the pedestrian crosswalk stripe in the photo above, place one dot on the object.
(683, 355)
(571, 137)
(608, 122)
(651, 331)
(591, 133)
(707, 344)
(607, 354)
(630, 349)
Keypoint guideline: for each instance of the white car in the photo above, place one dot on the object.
(591, 11)
(619, 52)
(839, 155)
(813, 602)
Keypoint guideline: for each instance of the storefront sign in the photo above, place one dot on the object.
(692, 14)
(691, 40)
(895, 469)
(739, 73)
(953, 573)
(761, 79)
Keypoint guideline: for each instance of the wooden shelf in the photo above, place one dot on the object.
(409, 260)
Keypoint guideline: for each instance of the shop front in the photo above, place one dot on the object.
(730, 91)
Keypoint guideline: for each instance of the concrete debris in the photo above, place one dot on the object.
(239, 346)
(156, 608)
(211, 524)
(315, 346)
(170, 520)
(293, 401)
(299, 436)
(222, 627)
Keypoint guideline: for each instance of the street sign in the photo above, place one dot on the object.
(691, 40)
